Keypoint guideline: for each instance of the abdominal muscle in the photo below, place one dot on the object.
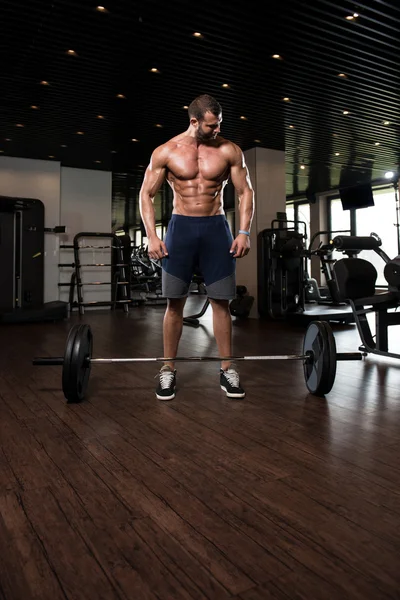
(197, 198)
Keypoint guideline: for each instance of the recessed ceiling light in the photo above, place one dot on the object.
(101, 9)
(121, 96)
(346, 112)
(51, 156)
(277, 56)
(19, 125)
(225, 85)
(337, 153)
(352, 17)
(286, 99)
(7, 139)
(302, 167)
(158, 125)
(63, 146)
(113, 152)
(243, 118)
(100, 116)
(377, 143)
(134, 140)
(342, 75)
(185, 107)
(198, 34)
(389, 174)
(72, 53)
(80, 133)
(291, 126)
(34, 107)
(98, 162)
(257, 141)
(44, 83)
(386, 122)
(154, 70)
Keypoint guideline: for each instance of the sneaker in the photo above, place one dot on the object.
(166, 386)
(229, 381)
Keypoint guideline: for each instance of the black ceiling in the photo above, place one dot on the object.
(116, 50)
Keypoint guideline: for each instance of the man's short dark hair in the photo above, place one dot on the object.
(201, 105)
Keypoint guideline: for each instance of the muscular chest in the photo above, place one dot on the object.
(202, 163)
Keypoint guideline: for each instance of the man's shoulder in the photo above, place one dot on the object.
(228, 147)
(171, 145)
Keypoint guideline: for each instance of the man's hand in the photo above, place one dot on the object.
(240, 246)
(156, 248)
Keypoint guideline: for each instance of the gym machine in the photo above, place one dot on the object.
(120, 284)
(281, 267)
(356, 278)
(22, 233)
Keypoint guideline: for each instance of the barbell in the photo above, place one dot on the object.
(319, 360)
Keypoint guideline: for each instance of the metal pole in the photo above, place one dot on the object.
(197, 358)
(59, 361)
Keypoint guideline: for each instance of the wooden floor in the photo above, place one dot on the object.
(282, 495)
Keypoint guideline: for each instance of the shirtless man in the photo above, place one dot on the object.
(197, 165)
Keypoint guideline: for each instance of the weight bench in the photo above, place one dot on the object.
(193, 320)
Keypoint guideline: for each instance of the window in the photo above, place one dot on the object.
(299, 214)
(303, 214)
(340, 222)
(381, 220)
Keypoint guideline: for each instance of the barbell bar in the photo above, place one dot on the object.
(59, 360)
(319, 360)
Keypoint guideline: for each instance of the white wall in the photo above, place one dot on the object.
(39, 179)
(80, 199)
(86, 207)
(267, 174)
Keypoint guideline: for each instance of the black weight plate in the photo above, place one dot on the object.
(331, 374)
(77, 366)
(320, 371)
(66, 372)
(80, 366)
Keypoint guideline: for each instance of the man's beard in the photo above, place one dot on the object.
(204, 137)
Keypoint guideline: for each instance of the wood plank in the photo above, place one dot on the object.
(78, 571)
(25, 566)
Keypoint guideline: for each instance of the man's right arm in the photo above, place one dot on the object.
(153, 179)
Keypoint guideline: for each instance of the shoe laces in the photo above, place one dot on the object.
(232, 376)
(166, 378)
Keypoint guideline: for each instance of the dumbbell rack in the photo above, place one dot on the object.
(76, 278)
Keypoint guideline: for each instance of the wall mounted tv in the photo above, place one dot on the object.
(357, 196)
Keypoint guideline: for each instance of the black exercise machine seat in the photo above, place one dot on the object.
(355, 278)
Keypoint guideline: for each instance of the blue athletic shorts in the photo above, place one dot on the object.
(199, 245)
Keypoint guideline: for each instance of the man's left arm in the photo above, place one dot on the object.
(241, 180)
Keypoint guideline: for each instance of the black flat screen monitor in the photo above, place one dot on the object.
(359, 196)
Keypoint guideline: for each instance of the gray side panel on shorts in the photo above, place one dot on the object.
(173, 287)
(224, 289)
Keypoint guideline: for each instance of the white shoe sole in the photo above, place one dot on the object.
(165, 397)
(230, 395)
